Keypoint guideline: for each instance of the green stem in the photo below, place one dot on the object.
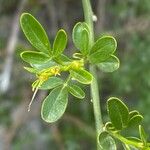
(94, 85)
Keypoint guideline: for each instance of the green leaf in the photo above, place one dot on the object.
(80, 37)
(34, 57)
(143, 135)
(133, 113)
(64, 58)
(82, 76)
(102, 49)
(126, 147)
(45, 65)
(60, 43)
(54, 105)
(110, 65)
(106, 141)
(135, 120)
(134, 139)
(35, 33)
(118, 113)
(31, 70)
(109, 126)
(51, 83)
(76, 91)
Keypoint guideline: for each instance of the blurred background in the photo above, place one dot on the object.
(127, 20)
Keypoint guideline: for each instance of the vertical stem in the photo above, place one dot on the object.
(94, 85)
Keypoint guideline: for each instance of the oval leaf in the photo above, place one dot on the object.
(76, 91)
(106, 142)
(82, 76)
(60, 43)
(51, 83)
(102, 49)
(118, 113)
(54, 105)
(110, 65)
(35, 33)
(80, 37)
(34, 57)
(135, 120)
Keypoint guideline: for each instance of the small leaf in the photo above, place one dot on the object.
(31, 70)
(80, 37)
(110, 65)
(143, 135)
(35, 33)
(106, 141)
(102, 49)
(54, 105)
(44, 65)
(109, 126)
(82, 76)
(133, 113)
(135, 120)
(118, 113)
(60, 43)
(76, 91)
(34, 57)
(51, 83)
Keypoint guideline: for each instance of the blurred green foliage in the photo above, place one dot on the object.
(131, 81)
